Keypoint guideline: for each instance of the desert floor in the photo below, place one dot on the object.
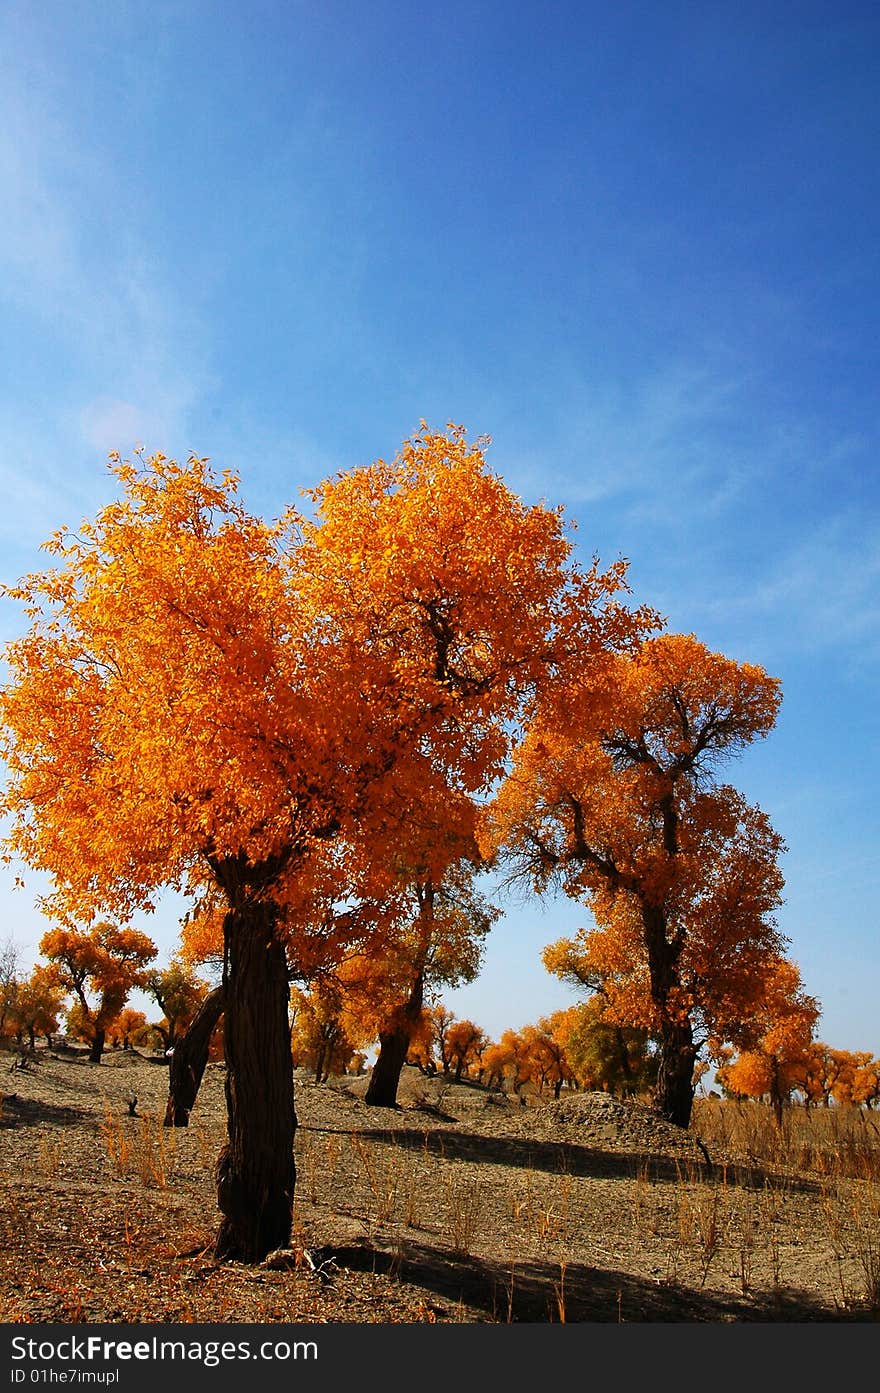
(459, 1206)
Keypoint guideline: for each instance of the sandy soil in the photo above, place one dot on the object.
(458, 1206)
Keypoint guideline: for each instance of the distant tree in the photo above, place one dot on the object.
(841, 1076)
(775, 1065)
(318, 1038)
(99, 967)
(37, 1006)
(507, 1061)
(603, 1054)
(866, 1083)
(466, 1043)
(612, 796)
(9, 972)
(442, 1020)
(127, 1029)
(826, 1072)
(548, 1061)
(178, 993)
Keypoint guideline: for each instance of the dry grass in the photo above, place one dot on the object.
(454, 1207)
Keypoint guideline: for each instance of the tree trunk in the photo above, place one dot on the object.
(255, 1171)
(776, 1098)
(623, 1058)
(189, 1058)
(674, 1089)
(97, 1046)
(393, 1049)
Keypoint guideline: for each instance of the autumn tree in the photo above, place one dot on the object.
(421, 1044)
(831, 1074)
(37, 1006)
(319, 1040)
(99, 967)
(432, 936)
(605, 1051)
(178, 993)
(779, 1035)
(508, 1061)
(201, 947)
(612, 796)
(442, 1020)
(547, 1059)
(466, 1042)
(866, 1082)
(128, 1029)
(206, 698)
(438, 942)
(534, 1054)
(603, 1054)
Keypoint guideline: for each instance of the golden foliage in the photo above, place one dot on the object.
(612, 797)
(205, 699)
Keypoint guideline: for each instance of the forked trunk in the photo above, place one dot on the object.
(255, 1172)
(189, 1058)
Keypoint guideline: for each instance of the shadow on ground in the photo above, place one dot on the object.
(566, 1158)
(543, 1292)
(28, 1112)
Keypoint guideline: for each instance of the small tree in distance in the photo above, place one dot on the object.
(37, 1006)
(99, 968)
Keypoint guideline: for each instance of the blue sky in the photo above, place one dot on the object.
(637, 245)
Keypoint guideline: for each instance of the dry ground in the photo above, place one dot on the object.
(458, 1206)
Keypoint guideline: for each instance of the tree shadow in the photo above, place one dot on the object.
(31, 1112)
(568, 1158)
(546, 1292)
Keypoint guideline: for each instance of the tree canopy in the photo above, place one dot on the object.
(214, 702)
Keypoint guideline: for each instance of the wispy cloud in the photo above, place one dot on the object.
(648, 446)
(817, 595)
(108, 358)
(743, 524)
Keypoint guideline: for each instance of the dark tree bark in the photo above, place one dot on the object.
(393, 1049)
(776, 1096)
(677, 1055)
(674, 1089)
(97, 1046)
(189, 1059)
(255, 1171)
